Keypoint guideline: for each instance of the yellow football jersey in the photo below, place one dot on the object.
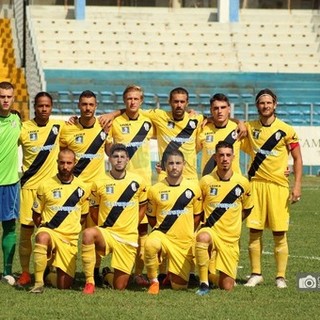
(174, 208)
(135, 135)
(223, 202)
(209, 136)
(40, 147)
(88, 144)
(172, 134)
(268, 147)
(118, 202)
(61, 205)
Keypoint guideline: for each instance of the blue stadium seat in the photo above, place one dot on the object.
(68, 111)
(64, 95)
(107, 97)
(150, 100)
(75, 95)
(298, 122)
(193, 100)
(56, 111)
(247, 97)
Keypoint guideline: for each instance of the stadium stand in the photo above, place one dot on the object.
(9, 70)
(160, 48)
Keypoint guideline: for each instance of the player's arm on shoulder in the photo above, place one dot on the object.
(241, 129)
(106, 119)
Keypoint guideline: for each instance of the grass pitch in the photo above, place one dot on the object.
(262, 302)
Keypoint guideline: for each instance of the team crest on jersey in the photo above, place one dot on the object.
(14, 124)
(278, 135)
(33, 136)
(147, 126)
(188, 194)
(192, 124)
(234, 134)
(79, 139)
(164, 196)
(213, 191)
(238, 192)
(103, 135)
(170, 124)
(125, 129)
(55, 130)
(134, 186)
(256, 133)
(80, 192)
(209, 138)
(56, 194)
(109, 190)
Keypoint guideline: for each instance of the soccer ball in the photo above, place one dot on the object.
(9, 279)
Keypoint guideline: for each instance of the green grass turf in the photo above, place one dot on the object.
(262, 302)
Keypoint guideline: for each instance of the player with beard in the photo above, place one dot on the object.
(269, 143)
(88, 140)
(60, 207)
(174, 212)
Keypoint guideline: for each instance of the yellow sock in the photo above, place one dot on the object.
(151, 249)
(40, 262)
(202, 259)
(139, 257)
(163, 268)
(281, 254)
(25, 247)
(88, 256)
(255, 249)
(213, 276)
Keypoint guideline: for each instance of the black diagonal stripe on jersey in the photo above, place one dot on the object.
(93, 149)
(62, 214)
(217, 213)
(184, 134)
(41, 157)
(139, 137)
(180, 204)
(231, 138)
(268, 146)
(116, 211)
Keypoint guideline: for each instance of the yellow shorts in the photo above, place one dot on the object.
(123, 254)
(226, 254)
(180, 257)
(27, 197)
(270, 207)
(65, 249)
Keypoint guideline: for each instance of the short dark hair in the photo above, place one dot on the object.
(168, 153)
(179, 90)
(87, 94)
(118, 147)
(42, 94)
(223, 144)
(268, 92)
(219, 97)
